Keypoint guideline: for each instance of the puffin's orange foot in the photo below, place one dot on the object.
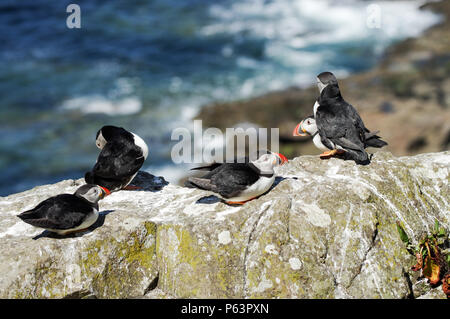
(239, 203)
(131, 188)
(328, 154)
(236, 203)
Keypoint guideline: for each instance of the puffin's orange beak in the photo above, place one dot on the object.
(295, 132)
(282, 158)
(106, 191)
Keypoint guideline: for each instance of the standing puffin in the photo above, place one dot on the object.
(66, 213)
(340, 127)
(122, 155)
(237, 183)
(308, 127)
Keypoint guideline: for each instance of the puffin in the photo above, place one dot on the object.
(122, 155)
(66, 213)
(308, 127)
(339, 125)
(238, 183)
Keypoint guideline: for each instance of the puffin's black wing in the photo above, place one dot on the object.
(63, 211)
(338, 122)
(118, 159)
(370, 138)
(209, 167)
(228, 179)
(214, 165)
(354, 115)
(336, 126)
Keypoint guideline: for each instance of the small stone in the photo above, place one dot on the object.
(295, 263)
(224, 237)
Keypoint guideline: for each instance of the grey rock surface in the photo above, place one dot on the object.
(327, 229)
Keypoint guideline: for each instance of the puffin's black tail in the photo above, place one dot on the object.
(202, 183)
(189, 184)
(360, 157)
(375, 141)
(28, 215)
(36, 218)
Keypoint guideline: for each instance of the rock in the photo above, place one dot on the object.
(327, 229)
(157, 294)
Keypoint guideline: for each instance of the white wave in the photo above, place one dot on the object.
(100, 104)
(302, 35)
(245, 62)
(330, 21)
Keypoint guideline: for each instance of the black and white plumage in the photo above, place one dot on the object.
(339, 125)
(237, 183)
(245, 159)
(122, 155)
(66, 213)
(308, 127)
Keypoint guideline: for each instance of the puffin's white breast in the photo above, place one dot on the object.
(261, 186)
(318, 143)
(315, 107)
(140, 142)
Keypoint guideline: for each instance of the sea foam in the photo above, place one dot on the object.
(100, 104)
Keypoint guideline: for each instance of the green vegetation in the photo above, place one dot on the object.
(432, 255)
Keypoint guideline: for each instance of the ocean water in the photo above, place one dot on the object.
(150, 65)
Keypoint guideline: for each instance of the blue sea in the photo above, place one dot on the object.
(149, 66)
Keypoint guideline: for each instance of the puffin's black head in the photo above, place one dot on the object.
(331, 91)
(327, 78)
(324, 79)
(108, 133)
(90, 192)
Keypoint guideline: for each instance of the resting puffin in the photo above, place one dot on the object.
(340, 127)
(308, 127)
(122, 155)
(237, 183)
(66, 213)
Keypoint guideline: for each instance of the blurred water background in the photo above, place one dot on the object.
(150, 65)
